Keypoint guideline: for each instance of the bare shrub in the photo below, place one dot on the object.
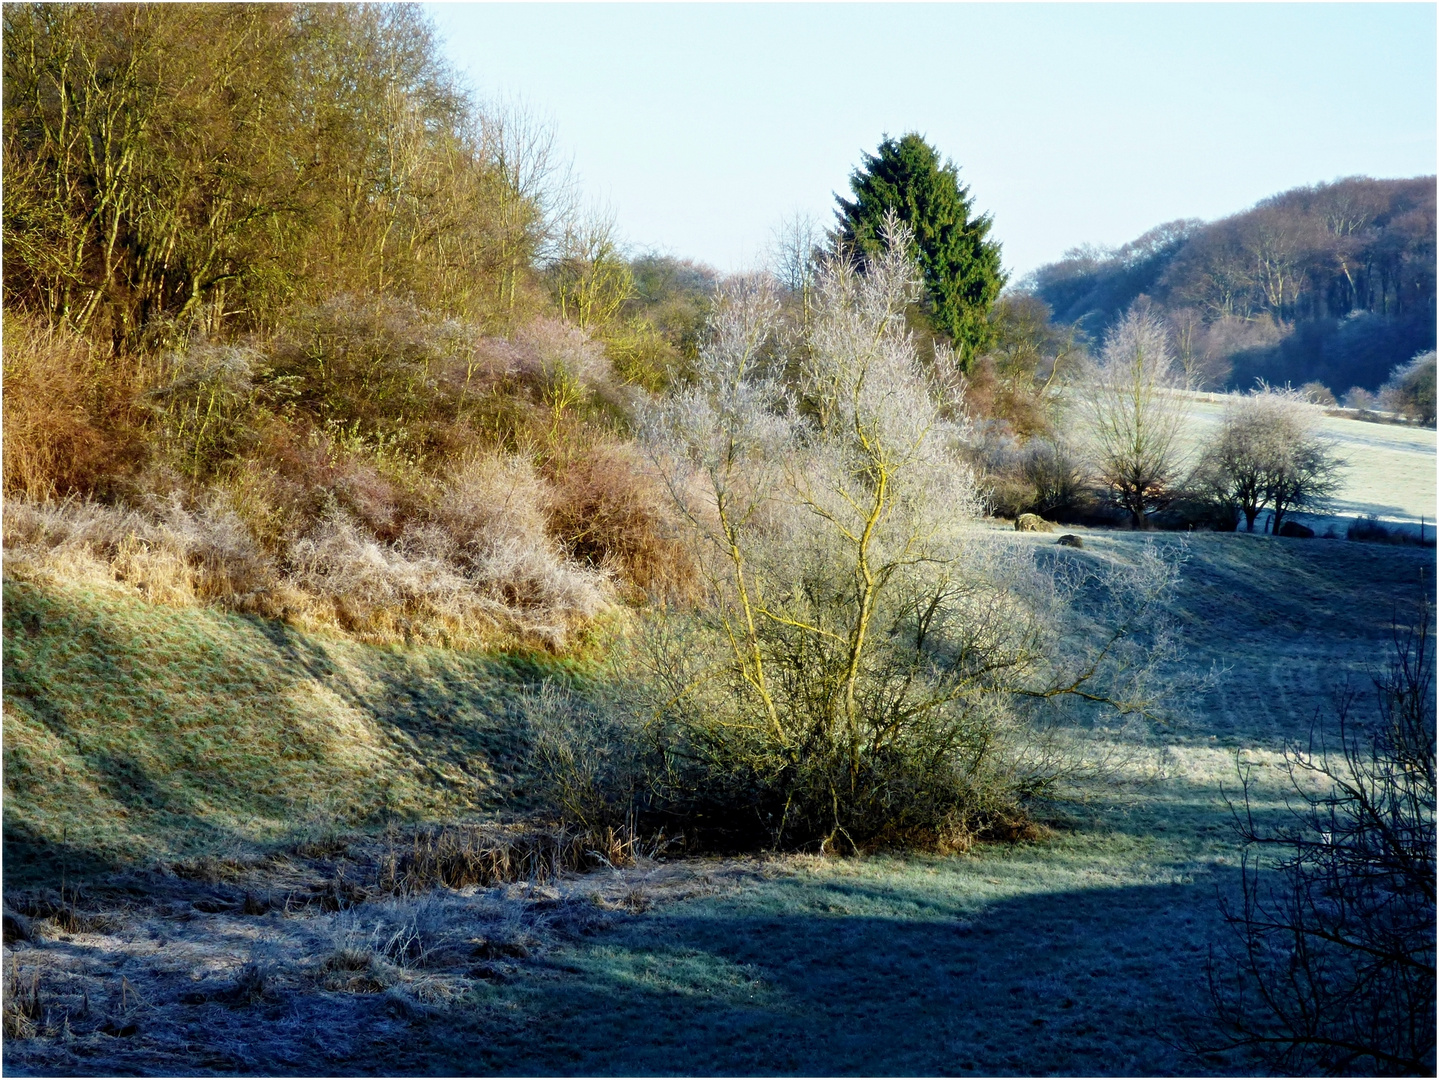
(1316, 393)
(568, 361)
(1371, 530)
(1356, 397)
(204, 399)
(1333, 966)
(1057, 476)
(611, 513)
(370, 366)
(863, 669)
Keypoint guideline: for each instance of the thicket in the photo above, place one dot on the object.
(863, 670)
(294, 325)
(1410, 391)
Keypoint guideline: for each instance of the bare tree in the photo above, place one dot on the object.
(1305, 477)
(538, 203)
(1269, 452)
(864, 666)
(1202, 364)
(1133, 416)
(1332, 968)
(796, 251)
(590, 275)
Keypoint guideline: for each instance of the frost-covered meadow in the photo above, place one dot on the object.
(1082, 950)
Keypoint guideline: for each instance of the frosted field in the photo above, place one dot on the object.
(1084, 953)
(1391, 472)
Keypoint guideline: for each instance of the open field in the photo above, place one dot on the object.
(1083, 952)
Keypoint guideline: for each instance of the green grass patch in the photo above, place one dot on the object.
(135, 731)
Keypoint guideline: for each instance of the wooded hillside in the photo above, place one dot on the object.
(1333, 283)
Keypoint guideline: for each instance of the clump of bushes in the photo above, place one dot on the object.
(862, 671)
(306, 365)
(1371, 530)
(370, 467)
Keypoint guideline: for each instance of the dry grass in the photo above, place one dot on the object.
(482, 572)
(182, 973)
(71, 421)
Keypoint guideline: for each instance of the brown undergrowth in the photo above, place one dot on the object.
(367, 467)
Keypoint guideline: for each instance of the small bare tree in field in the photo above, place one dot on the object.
(1133, 416)
(1270, 453)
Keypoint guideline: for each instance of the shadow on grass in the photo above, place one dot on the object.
(1087, 982)
(135, 731)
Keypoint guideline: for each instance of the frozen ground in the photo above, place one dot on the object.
(1082, 953)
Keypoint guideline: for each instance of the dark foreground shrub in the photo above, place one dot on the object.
(1373, 531)
(1332, 967)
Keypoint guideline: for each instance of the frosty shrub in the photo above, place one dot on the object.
(865, 669)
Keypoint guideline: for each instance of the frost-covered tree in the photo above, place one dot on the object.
(1410, 389)
(1133, 415)
(1269, 452)
(863, 663)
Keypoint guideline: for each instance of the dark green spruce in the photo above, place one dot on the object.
(962, 274)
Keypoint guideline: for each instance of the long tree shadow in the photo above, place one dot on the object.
(1087, 982)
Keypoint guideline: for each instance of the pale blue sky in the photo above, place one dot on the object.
(703, 125)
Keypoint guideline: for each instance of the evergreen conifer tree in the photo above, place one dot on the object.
(961, 267)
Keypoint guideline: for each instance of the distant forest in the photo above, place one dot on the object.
(1332, 283)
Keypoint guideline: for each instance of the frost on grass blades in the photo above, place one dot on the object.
(1331, 966)
(865, 668)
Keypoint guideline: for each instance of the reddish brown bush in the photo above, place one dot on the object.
(72, 425)
(609, 512)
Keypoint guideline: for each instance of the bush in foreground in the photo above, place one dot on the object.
(1332, 970)
(863, 670)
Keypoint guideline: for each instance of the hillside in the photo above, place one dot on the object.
(298, 749)
(1333, 283)
(137, 732)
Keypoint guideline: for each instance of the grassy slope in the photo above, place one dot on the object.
(136, 731)
(1082, 954)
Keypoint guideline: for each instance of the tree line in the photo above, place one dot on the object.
(179, 168)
